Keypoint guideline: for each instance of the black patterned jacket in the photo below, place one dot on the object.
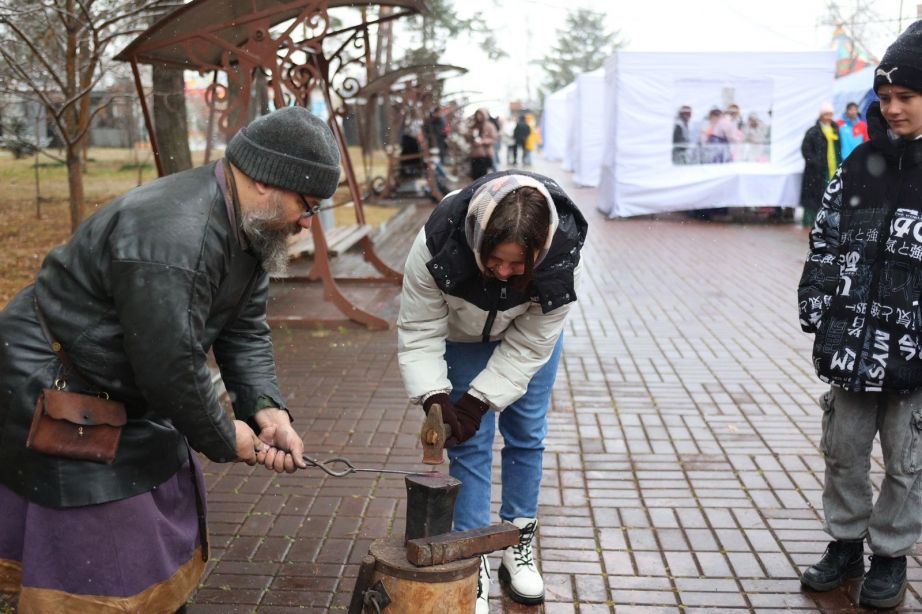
(861, 284)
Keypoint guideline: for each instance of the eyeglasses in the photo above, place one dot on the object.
(309, 209)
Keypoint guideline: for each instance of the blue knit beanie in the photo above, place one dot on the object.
(289, 148)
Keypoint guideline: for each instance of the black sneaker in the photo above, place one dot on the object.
(885, 583)
(842, 560)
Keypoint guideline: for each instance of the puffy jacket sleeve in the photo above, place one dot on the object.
(245, 356)
(526, 346)
(422, 326)
(821, 269)
(163, 346)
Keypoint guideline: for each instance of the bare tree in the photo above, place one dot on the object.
(60, 50)
(169, 109)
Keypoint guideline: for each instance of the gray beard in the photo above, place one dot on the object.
(267, 240)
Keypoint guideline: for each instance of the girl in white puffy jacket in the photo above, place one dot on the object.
(487, 287)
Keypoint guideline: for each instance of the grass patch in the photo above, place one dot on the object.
(134, 166)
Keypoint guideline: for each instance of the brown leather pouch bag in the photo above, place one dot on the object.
(77, 426)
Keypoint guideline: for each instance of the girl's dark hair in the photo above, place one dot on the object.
(521, 217)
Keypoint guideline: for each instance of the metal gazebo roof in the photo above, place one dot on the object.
(195, 35)
(400, 76)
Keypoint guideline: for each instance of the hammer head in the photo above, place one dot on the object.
(433, 435)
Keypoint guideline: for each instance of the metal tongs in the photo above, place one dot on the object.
(432, 437)
(327, 466)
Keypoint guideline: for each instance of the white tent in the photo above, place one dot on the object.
(570, 151)
(759, 164)
(556, 123)
(589, 128)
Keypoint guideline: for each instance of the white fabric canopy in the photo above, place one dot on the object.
(556, 123)
(569, 154)
(643, 92)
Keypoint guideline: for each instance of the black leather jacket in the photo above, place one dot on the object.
(137, 297)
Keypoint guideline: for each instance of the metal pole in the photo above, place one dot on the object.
(210, 129)
(147, 120)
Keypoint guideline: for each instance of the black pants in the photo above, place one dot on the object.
(514, 151)
(480, 167)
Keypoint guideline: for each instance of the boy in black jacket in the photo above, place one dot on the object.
(860, 293)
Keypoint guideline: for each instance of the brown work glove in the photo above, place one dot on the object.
(463, 417)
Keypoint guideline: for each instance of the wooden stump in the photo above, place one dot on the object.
(451, 587)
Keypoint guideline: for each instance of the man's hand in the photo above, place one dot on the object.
(284, 449)
(248, 444)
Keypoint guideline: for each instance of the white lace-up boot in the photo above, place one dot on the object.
(518, 570)
(483, 587)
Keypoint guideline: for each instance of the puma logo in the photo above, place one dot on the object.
(886, 73)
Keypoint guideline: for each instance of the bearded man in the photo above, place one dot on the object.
(128, 309)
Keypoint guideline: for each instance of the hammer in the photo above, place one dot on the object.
(433, 436)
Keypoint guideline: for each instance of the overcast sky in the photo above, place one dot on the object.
(526, 30)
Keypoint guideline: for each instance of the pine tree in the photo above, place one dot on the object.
(582, 46)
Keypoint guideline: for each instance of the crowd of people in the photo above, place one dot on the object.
(722, 136)
(481, 138)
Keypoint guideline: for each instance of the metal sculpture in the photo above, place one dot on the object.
(294, 48)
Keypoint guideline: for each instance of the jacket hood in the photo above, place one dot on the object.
(877, 125)
(484, 202)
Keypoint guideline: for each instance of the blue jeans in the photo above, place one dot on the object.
(523, 426)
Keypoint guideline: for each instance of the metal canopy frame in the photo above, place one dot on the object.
(293, 44)
(413, 93)
(415, 76)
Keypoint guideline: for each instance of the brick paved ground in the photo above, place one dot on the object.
(682, 470)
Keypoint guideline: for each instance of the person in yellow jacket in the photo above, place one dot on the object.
(534, 139)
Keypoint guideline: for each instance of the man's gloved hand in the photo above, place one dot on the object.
(463, 417)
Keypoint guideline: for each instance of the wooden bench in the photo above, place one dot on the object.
(339, 239)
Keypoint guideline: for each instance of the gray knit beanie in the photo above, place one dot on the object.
(289, 148)
(901, 62)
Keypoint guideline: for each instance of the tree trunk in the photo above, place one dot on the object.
(370, 139)
(170, 123)
(75, 184)
(260, 104)
(71, 121)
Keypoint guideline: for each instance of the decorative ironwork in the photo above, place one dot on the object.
(290, 43)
